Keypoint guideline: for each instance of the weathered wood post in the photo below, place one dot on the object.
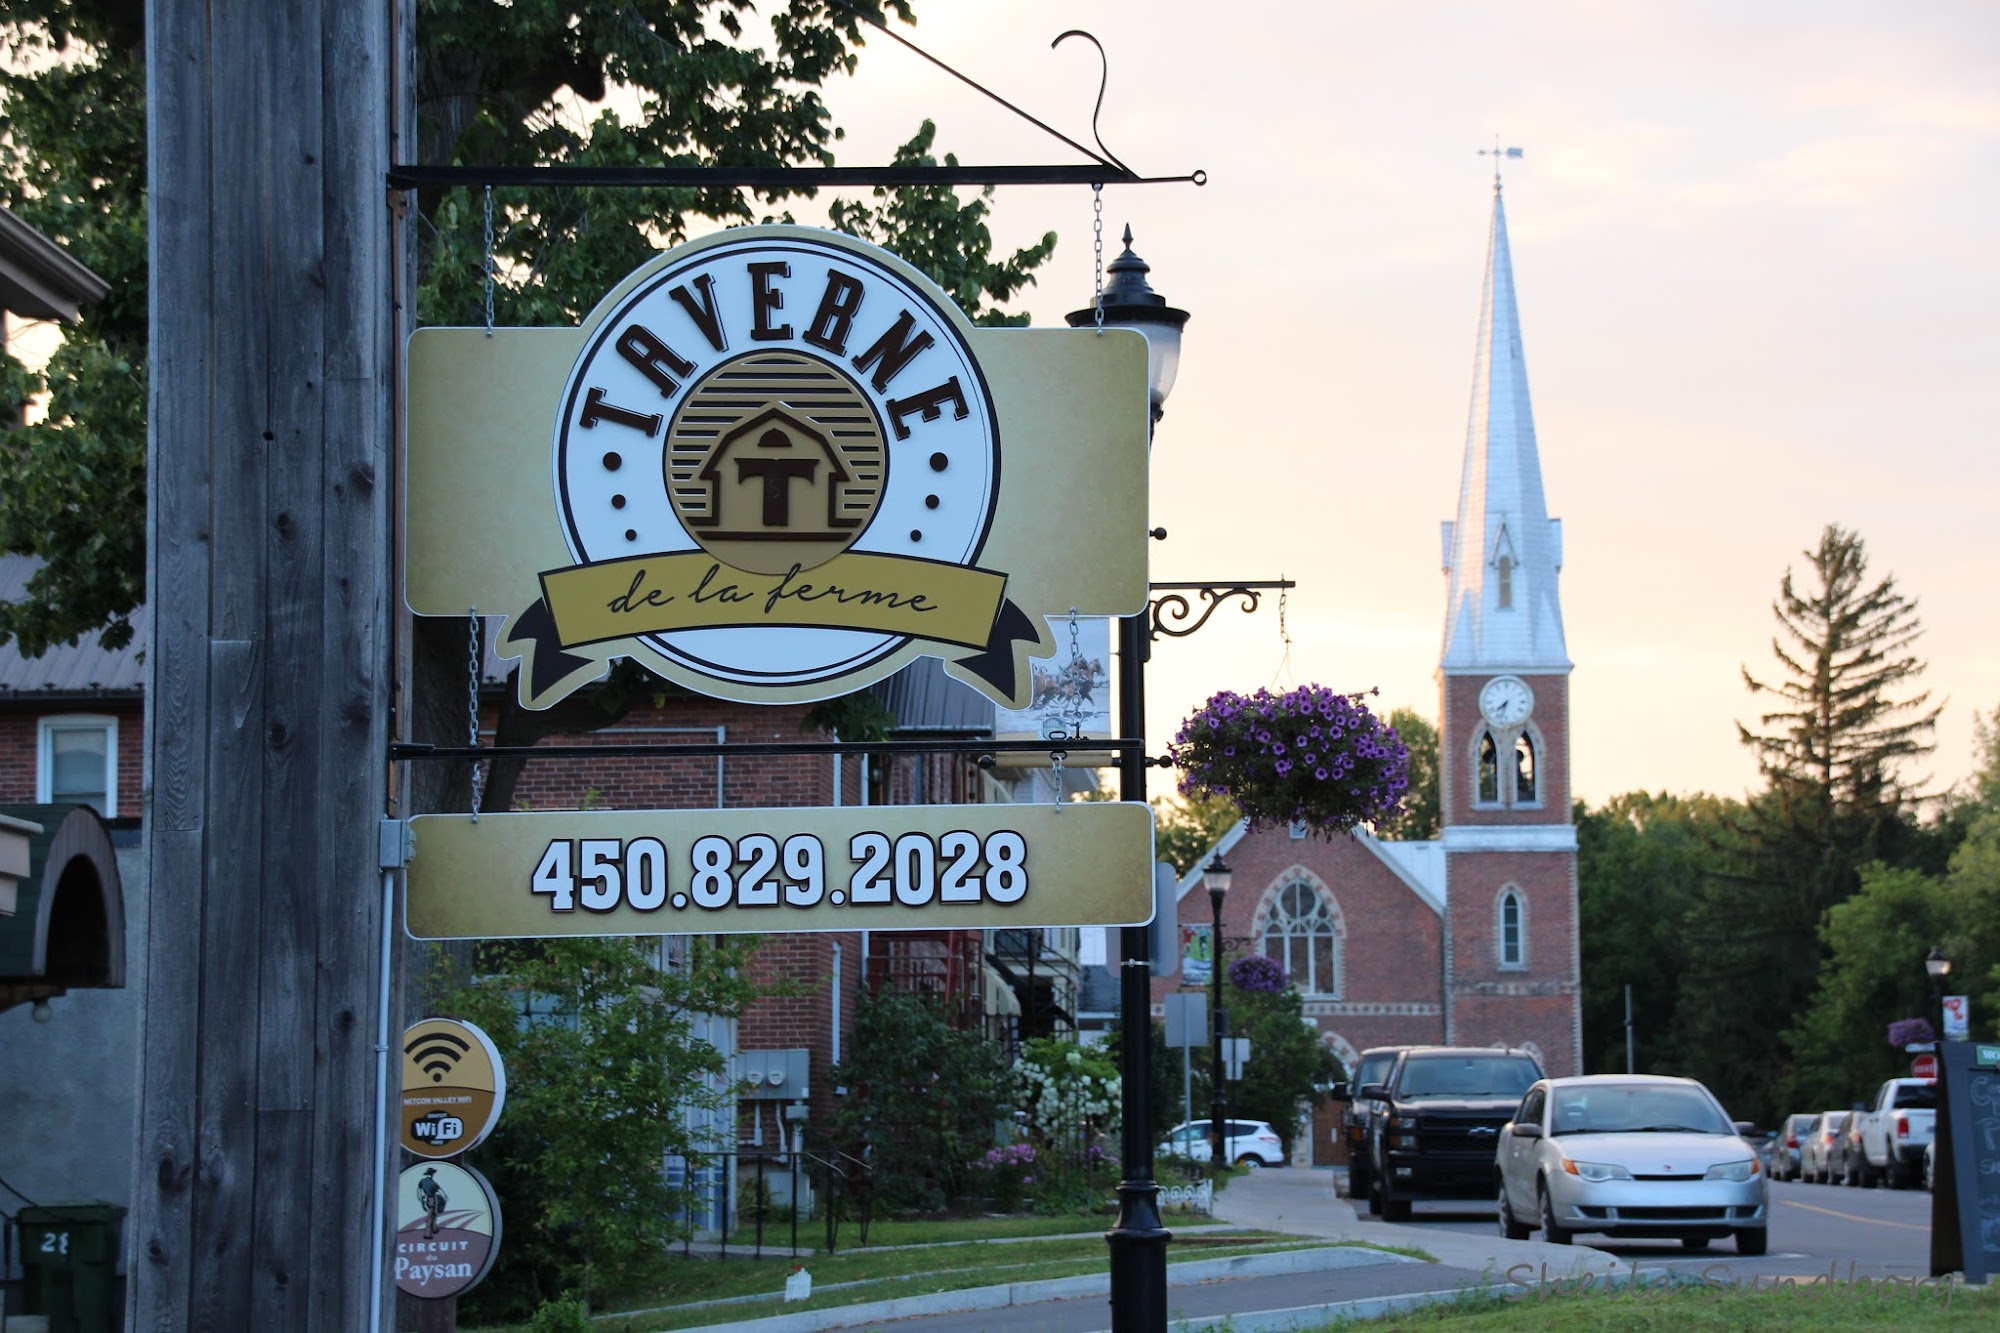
(273, 351)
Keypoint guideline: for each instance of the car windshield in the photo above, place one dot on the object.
(1373, 1067)
(1834, 1120)
(1468, 1076)
(1632, 1108)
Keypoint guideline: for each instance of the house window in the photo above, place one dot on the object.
(1512, 934)
(1506, 582)
(1302, 934)
(1524, 771)
(1489, 771)
(78, 762)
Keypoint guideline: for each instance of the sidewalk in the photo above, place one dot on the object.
(1253, 1294)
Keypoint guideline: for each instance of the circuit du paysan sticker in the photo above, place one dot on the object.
(782, 466)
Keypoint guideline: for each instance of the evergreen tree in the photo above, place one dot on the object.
(1843, 723)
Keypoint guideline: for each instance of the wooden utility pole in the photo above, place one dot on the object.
(255, 1197)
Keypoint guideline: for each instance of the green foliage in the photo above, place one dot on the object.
(567, 1314)
(72, 165)
(1185, 828)
(1641, 861)
(947, 239)
(604, 1071)
(1163, 1071)
(859, 716)
(922, 1099)
(1422, 816)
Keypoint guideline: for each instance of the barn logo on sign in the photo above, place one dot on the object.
(775, 462)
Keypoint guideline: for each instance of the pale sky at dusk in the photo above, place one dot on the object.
(1754, 246)
(1755, 253)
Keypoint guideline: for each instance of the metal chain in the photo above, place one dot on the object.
(1073, 707)
(472, 703)
(1285, 638)
(1056, 778)
(486, 266)
(1097, 251)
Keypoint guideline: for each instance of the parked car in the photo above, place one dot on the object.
(1439, 1115)
(1370, 1067)
(1898, 1123)
(1816, 1146)
(1630, 1155)
(1846, 1155)
(1249, 1143)
(1786, 1146)
(1930, 1165)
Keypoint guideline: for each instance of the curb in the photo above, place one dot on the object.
(972, 1299)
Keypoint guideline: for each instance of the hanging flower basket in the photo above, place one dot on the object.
(1310, 755)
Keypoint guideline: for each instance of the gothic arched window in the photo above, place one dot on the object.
(1512, 934)
(1489, 771)
(1506, 582)
(1524, 771)
(1301, 934)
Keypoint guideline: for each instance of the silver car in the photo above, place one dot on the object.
(1629, 1155)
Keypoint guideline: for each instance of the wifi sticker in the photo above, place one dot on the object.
(453, 1087)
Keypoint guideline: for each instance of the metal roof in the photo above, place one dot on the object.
(924, 699)
(68, 671)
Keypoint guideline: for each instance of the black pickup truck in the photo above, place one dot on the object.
(1437, 1123)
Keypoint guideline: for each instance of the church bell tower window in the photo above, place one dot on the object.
(1489, 771)
(1506, 582)
(1512, 936)
(1524, 771)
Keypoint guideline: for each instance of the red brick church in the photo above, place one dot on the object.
(1470, 939)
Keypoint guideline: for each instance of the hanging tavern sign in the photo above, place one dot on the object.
(776, 464)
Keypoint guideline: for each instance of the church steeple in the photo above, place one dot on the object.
(1503, 552)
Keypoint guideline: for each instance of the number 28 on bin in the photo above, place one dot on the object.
(758, 870)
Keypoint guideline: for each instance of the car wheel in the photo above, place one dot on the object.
(1509, 1228)
(1375, 1204)
(1394, 1209)
(1551, 1233)
(1250, 1160)
(1752, 1240)
(1357, 1183)
(1848, 1176)
(1870, 1177)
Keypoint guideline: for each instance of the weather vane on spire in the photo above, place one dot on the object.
(1496, 152)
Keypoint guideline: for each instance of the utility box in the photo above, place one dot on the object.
(69, 1255)
(774, 1076)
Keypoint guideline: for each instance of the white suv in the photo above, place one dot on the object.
(1250, 1143)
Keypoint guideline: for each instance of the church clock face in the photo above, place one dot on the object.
(1506, 701)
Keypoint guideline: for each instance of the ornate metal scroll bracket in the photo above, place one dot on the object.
(1171, 612)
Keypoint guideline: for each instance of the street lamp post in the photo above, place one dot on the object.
(1938, 967)
(1138, 1238)
(1215, 875)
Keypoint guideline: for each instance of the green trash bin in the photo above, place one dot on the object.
(69, 1255)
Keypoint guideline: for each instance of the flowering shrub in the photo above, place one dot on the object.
(1911, 1032)
(1257, 974)
(1310, 755)
(1008, 1173)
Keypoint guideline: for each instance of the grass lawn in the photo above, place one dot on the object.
(1714, 1309)
(884, 1274)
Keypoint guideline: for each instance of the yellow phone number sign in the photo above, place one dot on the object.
(672, 872)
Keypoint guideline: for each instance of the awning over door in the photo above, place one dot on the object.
(62, 906)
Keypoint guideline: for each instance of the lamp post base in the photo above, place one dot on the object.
(1138, 1244)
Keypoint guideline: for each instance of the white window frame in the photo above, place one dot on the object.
(1336, 922)
(45, 730)
(1520, 900)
